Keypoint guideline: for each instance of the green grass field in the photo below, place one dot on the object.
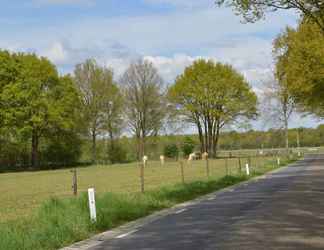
(22, 193)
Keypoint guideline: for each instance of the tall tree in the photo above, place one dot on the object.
(35, 100)
(299, 58)
(278, 104)
(144, 101)
(212, 95)
(100, 100)
(253, 10)
(113, 120)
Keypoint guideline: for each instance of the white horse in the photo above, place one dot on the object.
(205, 156)
(162, 159)
(145, 159)
(191, 157)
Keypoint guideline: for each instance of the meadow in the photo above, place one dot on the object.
(22, 193)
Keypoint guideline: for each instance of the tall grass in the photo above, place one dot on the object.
(60, 222)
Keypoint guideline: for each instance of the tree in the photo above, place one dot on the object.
(299, 58)
(101, 101)
(144, 102)
(212, 95)
(253, 10)
(188, 145)
(113, 123)
(34, 99)
(278, 104)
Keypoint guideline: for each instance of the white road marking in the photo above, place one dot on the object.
(125, 234)
(180, 211)
(211, 198)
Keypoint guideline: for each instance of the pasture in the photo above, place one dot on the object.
(22, 193)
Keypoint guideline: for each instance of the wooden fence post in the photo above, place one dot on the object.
(207, 165)
(226, 166)
(182, 172)
(142, 166)
(240, 164)
(75, 182)
(249, 161)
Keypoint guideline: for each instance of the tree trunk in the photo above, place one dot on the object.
(210, 138)
(111, 146)
(94, 147)
(216, 137)
(200, 132)
(34, 150)
(286, 136)
(138, 147)
(143, 145)
(206, 135)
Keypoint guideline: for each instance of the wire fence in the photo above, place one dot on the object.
(32, 188)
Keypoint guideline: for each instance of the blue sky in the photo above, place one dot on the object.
(170, 33)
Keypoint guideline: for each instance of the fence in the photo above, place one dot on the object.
(32, 188)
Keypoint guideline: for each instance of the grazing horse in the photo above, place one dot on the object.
(162, 159)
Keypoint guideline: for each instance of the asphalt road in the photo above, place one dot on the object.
(285, 210)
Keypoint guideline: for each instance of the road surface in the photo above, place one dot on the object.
(285, 210)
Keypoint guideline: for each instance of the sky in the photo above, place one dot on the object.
(169, 33)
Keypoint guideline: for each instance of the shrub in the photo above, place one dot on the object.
(188, 145)
(171, 150)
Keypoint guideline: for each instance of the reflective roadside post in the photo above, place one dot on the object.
(92, 204)
(247, 168)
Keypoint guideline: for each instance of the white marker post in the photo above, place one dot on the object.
(92, 204)
(247, 168)
(278, 161)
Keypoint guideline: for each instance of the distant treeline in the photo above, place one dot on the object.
(70, 150)
(273, 138)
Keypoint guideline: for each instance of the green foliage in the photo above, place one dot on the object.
(61, 150)
(101, 101)
(211, 95)
(188, 145)
(35, 100)
(300, 60)
(253, 10)
(171, 150)
(117, 154)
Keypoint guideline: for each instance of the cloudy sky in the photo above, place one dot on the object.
(170, 33)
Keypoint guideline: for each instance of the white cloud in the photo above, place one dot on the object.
(56, 53)
(171, 40)
(170, 67)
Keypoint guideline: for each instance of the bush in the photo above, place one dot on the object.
(188, 146)
(60, 151)
(117, 154)
(171, 150)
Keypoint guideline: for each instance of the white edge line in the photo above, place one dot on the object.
(125, 234)
(180, 211)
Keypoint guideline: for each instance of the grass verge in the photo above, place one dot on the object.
(60, 222)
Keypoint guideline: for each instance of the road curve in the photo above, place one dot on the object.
(285, 210)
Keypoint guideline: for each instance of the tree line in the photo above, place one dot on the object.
(173, 146)
(45, 116)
